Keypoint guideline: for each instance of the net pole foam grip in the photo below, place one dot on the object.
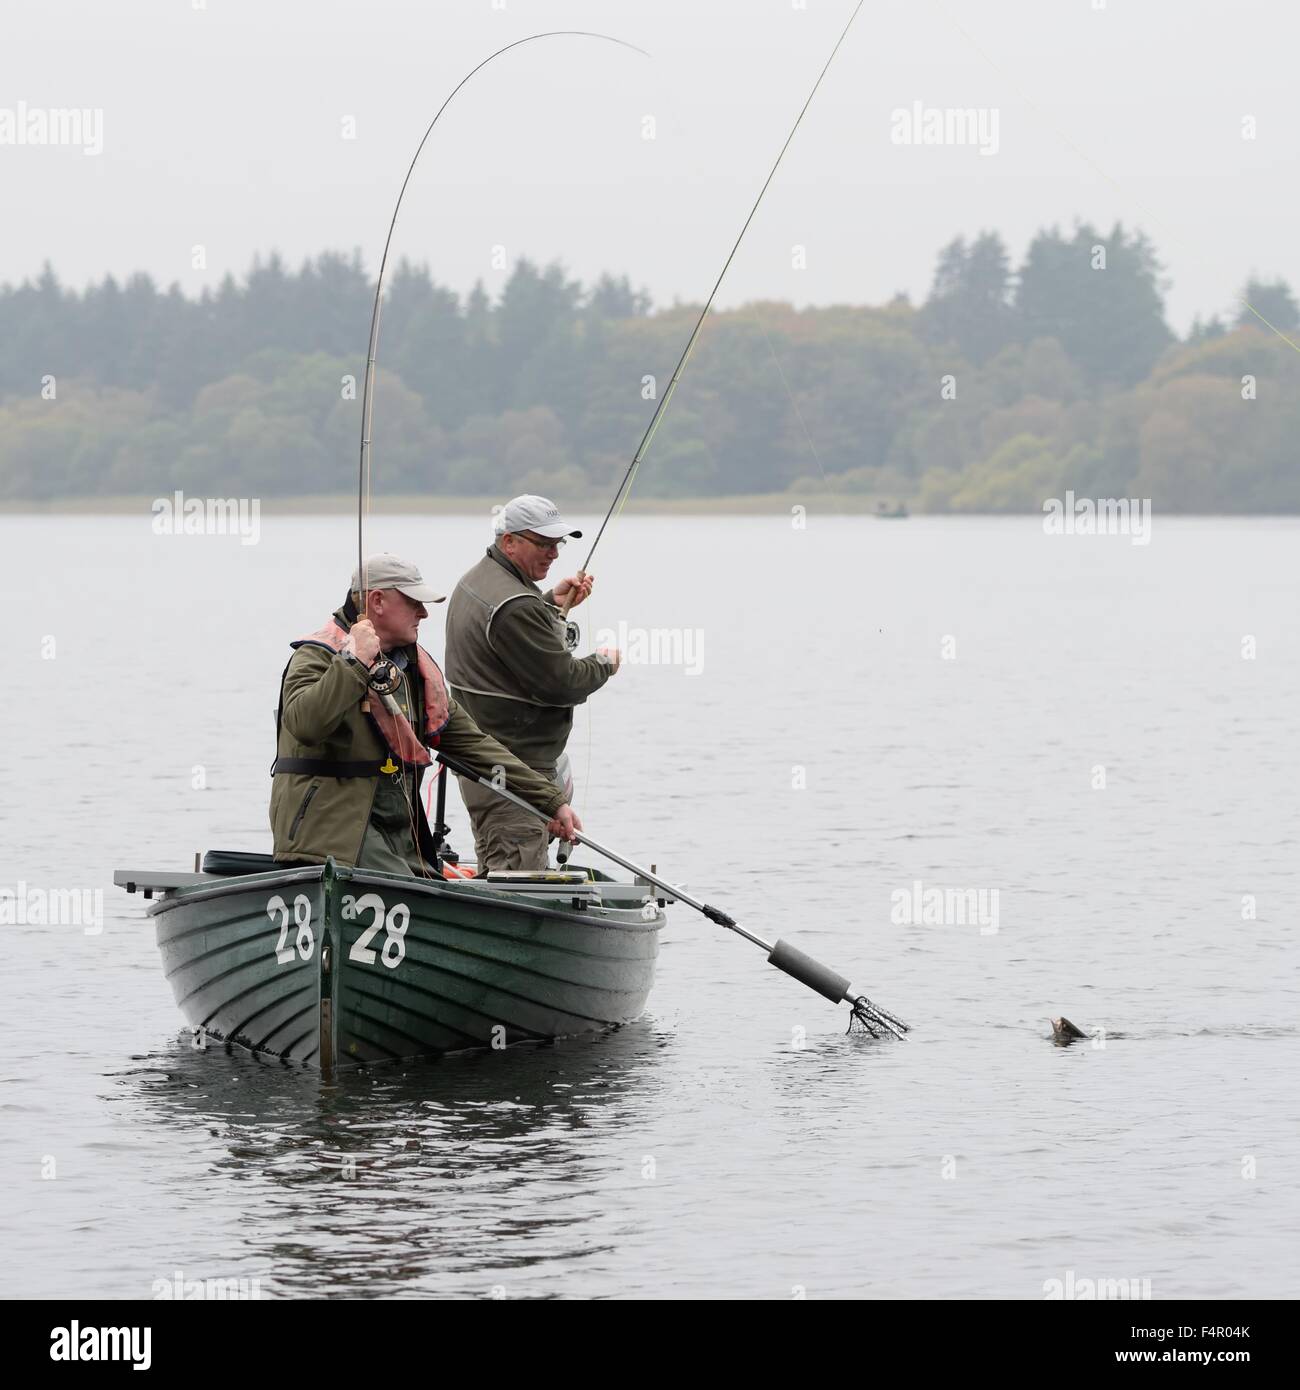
(808, 971)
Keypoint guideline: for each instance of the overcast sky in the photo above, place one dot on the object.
(224, 127)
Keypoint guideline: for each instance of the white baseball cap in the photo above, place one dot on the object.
(388, 572)
(530, 513)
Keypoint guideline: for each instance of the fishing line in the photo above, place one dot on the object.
(367, 395)
(365, 471)
(586, 776)
(624, 487)
(364, 466)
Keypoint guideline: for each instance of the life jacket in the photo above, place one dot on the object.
(394, 728)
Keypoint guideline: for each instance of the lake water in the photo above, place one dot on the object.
(1104, 733)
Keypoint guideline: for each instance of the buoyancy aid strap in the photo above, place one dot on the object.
(325, 767)
(331, 637)
(437, 705)
(398, 734)
(393, 727)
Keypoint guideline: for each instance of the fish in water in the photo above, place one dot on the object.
(1064, 1032)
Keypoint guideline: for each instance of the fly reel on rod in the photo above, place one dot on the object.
(384, 677)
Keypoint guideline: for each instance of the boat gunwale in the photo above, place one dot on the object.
(178, 897)
(630, 919)
(595, 916)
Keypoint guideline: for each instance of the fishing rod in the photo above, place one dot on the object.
(624, 486)
(796, 963)
(790, 959)
(367, 392)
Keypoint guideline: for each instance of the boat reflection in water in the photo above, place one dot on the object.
(457, 1176)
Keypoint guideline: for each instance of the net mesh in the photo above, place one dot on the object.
(867, 1017)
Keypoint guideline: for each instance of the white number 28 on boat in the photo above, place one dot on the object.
(284, 952)
(393, 922)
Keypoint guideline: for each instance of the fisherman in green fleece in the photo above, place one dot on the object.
(361, 703)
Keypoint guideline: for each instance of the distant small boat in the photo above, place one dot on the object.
(888, 513)
(330, 966)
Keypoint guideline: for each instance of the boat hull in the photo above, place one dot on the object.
(336, 967)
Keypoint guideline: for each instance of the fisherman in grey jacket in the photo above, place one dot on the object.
(511, 665)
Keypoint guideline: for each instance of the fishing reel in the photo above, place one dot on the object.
(570, 632)
(383, 677)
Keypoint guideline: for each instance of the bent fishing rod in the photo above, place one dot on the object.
(624, 486)
(790, 959)
(367, 391)
(796, 963)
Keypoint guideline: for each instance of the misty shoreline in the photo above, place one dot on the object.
(755, 504)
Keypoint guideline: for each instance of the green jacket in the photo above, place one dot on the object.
(315, 817)
(509, 664)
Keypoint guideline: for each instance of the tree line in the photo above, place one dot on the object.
(1006, 386)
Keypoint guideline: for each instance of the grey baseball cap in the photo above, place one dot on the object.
(531, 513)
(388, 572)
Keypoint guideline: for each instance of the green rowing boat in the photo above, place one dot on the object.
(330, 966)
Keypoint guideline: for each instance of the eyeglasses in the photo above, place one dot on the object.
(541, 542)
